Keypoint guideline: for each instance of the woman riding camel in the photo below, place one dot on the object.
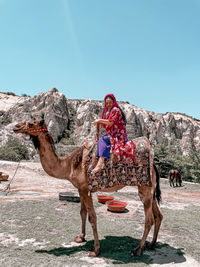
(114, 121)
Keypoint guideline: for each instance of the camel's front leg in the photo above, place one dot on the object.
(146, 197)
(88, 202)
(81, 238)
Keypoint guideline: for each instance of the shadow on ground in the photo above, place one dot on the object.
(119, 250)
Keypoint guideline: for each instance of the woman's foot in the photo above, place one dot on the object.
(100, 165)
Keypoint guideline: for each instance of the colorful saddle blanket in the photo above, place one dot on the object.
(137, 173)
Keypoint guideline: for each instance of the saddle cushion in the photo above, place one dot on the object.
(122, 172)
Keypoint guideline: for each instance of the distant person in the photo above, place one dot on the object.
(114, 121)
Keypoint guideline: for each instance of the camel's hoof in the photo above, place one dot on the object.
(93, 254)
(137, 252)
(79, 239)
(151, 246)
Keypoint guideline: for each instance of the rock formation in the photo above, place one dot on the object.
(71, 119)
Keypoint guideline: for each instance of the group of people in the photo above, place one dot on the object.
(114, 121)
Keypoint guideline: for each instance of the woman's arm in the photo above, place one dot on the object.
(107, 122)
(113, 118)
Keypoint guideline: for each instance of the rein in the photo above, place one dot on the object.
(39, 130)
(7, 189)
(34, 131)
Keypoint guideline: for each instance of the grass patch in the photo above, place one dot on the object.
(13, 150)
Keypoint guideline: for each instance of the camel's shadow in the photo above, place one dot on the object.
(119, 250)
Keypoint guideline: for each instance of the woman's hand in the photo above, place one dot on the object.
(96, 121)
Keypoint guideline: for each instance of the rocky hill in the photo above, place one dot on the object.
(70, 121)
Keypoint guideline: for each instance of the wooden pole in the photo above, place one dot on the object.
(97, 131)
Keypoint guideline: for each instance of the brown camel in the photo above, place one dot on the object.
(71, 167)
(174, 175)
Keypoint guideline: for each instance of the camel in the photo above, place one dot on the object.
(71, 167)
(174, 175)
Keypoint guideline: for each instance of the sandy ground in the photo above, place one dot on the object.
(31, 182)
(33, 192)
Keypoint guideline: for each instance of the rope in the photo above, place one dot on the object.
(8, 186)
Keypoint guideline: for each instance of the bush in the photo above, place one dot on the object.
(13, 150)
(5, 119)
(167, 157)
(68, 141)
(64, 150)
(2, 112)
(9, 93)
(25, 95)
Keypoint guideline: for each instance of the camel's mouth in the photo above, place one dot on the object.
(31, 128)
(18, 128)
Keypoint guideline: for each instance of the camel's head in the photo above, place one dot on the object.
(32, 128)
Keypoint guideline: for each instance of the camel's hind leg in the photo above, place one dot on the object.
(145, 194)
(157, 222)
(171, 181)
(81, 238)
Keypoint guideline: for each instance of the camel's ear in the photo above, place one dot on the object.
(41, 122)
(32, 118)
(86, 145)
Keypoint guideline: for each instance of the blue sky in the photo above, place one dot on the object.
(146, 52)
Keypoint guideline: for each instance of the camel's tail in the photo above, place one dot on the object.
(157, 192)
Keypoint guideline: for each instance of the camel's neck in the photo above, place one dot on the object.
(51, 163)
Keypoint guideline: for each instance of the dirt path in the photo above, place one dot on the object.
(36, 229)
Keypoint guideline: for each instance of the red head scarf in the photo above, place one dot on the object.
(105, 108)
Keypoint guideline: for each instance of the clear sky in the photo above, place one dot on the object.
(146, 52)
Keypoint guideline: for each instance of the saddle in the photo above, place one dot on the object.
(120, 172)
